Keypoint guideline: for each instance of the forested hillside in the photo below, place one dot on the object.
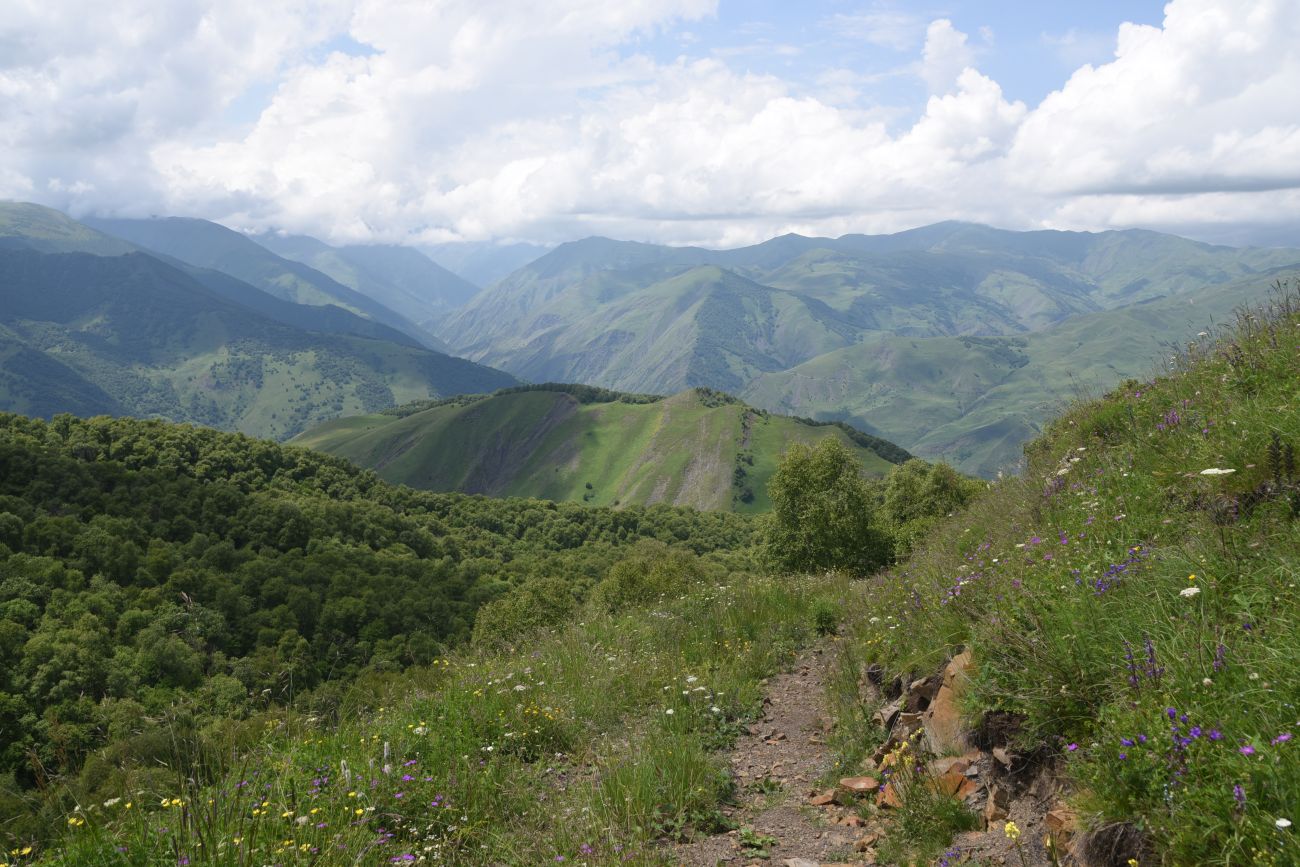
(159, 580)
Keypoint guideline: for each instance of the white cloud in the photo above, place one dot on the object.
(945, 55)
(499, 119)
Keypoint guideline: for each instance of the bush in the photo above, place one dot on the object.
(650, 573)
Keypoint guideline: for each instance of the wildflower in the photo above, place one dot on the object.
(1132, 862)
(1247, 750)
(1239, 795)
(1283, 824)
(1012, 831)
(1189, 592)
(669, 711)
(1281, 739)
(1072, 747)
(1217, 471)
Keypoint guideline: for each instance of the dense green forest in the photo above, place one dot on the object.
(149, 569)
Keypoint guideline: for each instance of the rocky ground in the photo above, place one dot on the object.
(788, 814)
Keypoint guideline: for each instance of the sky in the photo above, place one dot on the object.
(715, 122)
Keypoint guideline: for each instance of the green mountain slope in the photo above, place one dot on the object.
(697, 448)
(400, 278)
(826, 327)
(207, 245)
(146, 338)
(974, 401)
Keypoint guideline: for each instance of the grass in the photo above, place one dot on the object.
(679, 450)
(591, 746)
(1132, 602)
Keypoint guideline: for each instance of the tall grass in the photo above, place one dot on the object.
(1132, 600)
(587, 746)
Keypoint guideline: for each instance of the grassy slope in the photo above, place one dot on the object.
(545, 444)
(570, 750)
(1121, 600)
(973, 402)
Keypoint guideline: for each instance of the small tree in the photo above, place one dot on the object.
(823, 513)
(919, 495)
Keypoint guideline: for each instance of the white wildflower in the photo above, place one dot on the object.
(1283, 824)
(670, 711)
(1217, 471)
(1189, 592)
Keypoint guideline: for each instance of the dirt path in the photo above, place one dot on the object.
(777, 766)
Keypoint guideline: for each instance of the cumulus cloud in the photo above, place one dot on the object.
(494, 119)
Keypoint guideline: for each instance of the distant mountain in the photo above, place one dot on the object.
(483, 262)
(211, 246)
(699, 448)
(649, 318)
(974, 401)
(400, 278)
(120, 331)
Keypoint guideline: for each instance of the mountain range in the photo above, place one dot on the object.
(954, 340)
(91, 323)
(700, 448)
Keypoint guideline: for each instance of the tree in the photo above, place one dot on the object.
(918, 495)
(823, 513)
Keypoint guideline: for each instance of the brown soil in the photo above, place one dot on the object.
(776, 766)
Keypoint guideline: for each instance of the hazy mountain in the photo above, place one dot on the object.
(697, 448)
(208, 245)
(401, 278)
(483, 262)
(650, 318)
(88, 333)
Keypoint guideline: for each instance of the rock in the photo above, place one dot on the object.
(909, 722)
(859, 785)
(1061, 820)
(888, 797)
(869, 764)
(1003, 756)
(800, 862)
(866, 841)
(955, 785)
(954, 764)
(942, 719)
(775, 738)
(849, 821)
(822, 799)
(886, 715)
(920, 694)
(998, 806)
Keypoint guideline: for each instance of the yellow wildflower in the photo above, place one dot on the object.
(1012, 831)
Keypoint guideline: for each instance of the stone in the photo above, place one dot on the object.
(886, 715)
(1061, 820)
(1004, 757)
(859, 785)
(998, 806)
(800, 862)
(822, 799)
(866, 841)
(955, 764)
(955, 785)
(942, 719)
(888, 797)
(869, 765)
(910, 722)
(920, 694)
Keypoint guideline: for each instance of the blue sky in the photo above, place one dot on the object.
(1028, 48)
(715, 122)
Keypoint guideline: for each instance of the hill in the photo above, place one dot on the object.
(1093, 663)
(698, 448)
(131, 333)
(401, 278)
(207, 245)
(159, 578)
(761, 321)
